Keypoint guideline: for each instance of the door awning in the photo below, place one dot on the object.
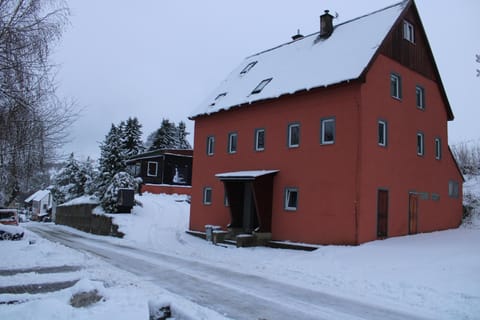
(244, 175)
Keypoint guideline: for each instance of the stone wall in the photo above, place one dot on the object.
(80, 217)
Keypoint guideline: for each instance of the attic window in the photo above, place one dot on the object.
(408, 31)
(261, 85)
(248, 67)
(220, 96)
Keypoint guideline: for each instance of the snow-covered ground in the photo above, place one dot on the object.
(434, 275)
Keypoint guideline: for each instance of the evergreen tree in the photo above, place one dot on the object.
(132, 137)
(165, 137)
(73, 180)
(112, 158)
(119, 180)
(182, 137)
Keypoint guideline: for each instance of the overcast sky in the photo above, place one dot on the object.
(155, 59)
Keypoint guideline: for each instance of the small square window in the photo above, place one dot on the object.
(420, 97)
(420, 144)
(328, 131)
(152, 169)
(293, 135)
(261, 85)
(382, 133)
(438, 148)
(291, 199)
(248, 67)
(395, 86)
(210, 145)
(207, 195)
(453, 189)
(232, 142)
(408, 31)
(260, 139)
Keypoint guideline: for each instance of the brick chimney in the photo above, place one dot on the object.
(326, 25)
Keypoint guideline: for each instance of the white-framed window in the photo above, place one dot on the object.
(259, 139)
(396, 86)
(248, 67)
(261, 85)
(207, 195)
(438, 148)
(382, 133)
(152, 168)
(420, 144)
(420, 97)
(232, 142)
(453, 189)
(408, 31)
(210, 145)
(293, 135)
(327, 134)
(291, 199)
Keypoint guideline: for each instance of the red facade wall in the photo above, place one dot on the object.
(323, 174)
(397, 167)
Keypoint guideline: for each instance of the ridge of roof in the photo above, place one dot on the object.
(402, 3)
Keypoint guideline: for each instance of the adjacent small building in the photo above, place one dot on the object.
(41, 204)
(163, 171)
(337, 137)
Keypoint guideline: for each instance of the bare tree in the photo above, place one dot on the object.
(33, 121)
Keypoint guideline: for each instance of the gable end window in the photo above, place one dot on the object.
(232, 142)
(261, 85)
(259, 139)
(438, 148)
(420, 144)
(395, 86)
(210, 145)
(420, 97)
(207, 195)
(408, 31)
(382, 133)
(152, 168)
(293, 135)
(327, 131)
(248, 67)
(291, 199)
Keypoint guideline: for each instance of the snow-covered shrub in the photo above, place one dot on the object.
(119, 181)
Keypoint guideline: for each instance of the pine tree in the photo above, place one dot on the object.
(112, 159)
(73, 180)
(182, 137)
(132, 137)
(119, 180)
(165, 137)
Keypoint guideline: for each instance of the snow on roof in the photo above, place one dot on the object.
(37, 196)
(304, 64)
(244, 174)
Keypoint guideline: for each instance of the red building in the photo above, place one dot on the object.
(338, 137)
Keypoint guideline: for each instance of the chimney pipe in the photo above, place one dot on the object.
(326, 25)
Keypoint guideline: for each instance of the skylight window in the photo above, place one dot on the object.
(248, 67)
(220, 96)
(261, 85)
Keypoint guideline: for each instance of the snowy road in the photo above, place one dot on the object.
(228, 291)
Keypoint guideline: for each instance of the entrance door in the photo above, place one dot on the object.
(250, 220)
(382, 214)
(412, 213)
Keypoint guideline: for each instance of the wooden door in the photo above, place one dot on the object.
(412, 213)
(382, 214)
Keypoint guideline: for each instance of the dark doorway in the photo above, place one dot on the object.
(412, 213)
(382, 214)
(249, 195)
